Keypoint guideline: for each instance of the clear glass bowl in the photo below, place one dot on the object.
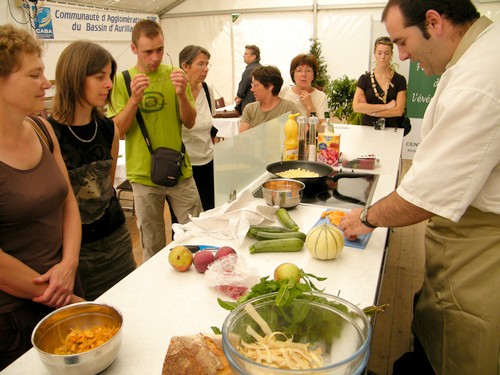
(336, 325)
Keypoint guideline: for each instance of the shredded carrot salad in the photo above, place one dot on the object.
(83, 340)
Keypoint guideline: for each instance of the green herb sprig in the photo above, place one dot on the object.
(287, 290)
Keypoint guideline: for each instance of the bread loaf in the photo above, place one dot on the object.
(196, 354)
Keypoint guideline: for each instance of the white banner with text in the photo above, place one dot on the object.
(67, 23)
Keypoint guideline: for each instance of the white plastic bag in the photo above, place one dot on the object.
(231, 275)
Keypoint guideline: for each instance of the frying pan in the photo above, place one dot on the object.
(325, 173)
(322, 169)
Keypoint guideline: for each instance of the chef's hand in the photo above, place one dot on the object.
(180, 81)
(59, 292)
(137, 86)
(352, 226)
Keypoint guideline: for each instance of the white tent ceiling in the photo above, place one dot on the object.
(148, 6)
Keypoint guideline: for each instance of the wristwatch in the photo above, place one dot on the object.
(364, 220)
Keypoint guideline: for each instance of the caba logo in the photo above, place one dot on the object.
(43, 23)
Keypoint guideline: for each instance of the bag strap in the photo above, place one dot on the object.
(42, 131)
(138, 114)
(140, 120)
(213, 130)
(205, 88)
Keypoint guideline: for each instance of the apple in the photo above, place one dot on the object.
(180, 258)
(287, 271)
(202, 259)
(223, 251)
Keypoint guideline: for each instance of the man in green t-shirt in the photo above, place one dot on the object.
(162, 94)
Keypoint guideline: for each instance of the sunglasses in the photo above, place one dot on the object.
(383, 39)
(171, 68)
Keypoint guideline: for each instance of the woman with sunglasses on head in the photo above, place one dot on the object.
(40, 226)
(303, 71)
(89, 145)
(381, 93)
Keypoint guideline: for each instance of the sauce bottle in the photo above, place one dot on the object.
(291, 144)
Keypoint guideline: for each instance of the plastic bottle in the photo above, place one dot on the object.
(380, 124)
(291, 144)
(329, 127)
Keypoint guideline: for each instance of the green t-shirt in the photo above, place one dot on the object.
(160, 111)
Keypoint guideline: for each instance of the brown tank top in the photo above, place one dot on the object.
(31, 212)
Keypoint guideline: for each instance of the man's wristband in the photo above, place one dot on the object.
(364, 220)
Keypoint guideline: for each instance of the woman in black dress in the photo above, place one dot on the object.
(381, 93)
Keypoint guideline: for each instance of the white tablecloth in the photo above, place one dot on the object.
(228, 127)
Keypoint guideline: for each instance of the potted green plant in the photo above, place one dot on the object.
(340, 93)
(322, 78)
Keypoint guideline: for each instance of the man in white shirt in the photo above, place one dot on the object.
(454, 182)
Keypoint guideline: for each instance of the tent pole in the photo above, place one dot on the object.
(315, 19)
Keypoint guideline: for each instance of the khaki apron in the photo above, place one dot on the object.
(457, 317)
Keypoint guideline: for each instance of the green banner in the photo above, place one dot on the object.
(421, 89)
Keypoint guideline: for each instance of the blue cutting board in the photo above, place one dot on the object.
(360, 242)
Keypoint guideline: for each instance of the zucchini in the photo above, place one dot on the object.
(285, 219)
(252, 231)
(277, 236)
(281, 245)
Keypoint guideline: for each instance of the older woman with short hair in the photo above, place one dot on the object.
(303, 71)
(199, 140)
(266, 85)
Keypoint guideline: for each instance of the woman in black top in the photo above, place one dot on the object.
(89, 145)
(381, 93)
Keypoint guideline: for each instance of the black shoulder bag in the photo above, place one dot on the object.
(165, 162)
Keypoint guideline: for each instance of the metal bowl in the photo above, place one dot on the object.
(283, 192)
(325, 321)
(51, 331)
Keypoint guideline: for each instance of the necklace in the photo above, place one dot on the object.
(84, 140)
(382, 97)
